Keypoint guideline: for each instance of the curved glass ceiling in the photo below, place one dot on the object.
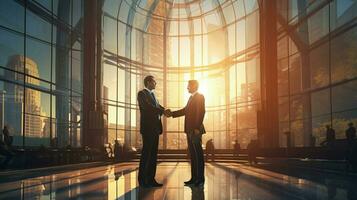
(202, 15)
(213, 41)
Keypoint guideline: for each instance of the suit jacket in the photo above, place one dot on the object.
(150, 113)
(194, 112)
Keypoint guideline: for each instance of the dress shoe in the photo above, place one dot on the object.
(155, 184)
(190, 182)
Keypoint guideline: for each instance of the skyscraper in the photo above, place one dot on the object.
(20, 100)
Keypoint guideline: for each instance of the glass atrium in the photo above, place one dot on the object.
(46, 76)
(279, 79)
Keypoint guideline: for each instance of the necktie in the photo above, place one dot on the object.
(153, 96)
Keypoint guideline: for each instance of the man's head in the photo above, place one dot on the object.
(149, 82)
(350, 124)
(327, 126)
(192, 86)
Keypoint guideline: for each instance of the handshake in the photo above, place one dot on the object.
(168, 113)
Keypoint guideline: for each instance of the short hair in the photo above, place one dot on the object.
(193, 83)
(147, 79)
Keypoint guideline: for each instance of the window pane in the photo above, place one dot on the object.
(13, 109)
(319, 66)
(283, 109)
(11, 45)
(37, 130)
(283, 77)
(154, 52)
(185, 53)
(231, 39)
(110, 35)
(320, 102)
(77, 71)
(37, 26)
(12, 15)
(252, 29)
(38, 62)
(295, 74)
(318, 24)
(343, 62)
(344, 97)
(342, 11)
(122, 43)
(110, 82)
(184, 27)
(198, 50)
(216, 43)
(173, 58)
(240, 35)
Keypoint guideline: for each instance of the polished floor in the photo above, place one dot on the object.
(223, 181)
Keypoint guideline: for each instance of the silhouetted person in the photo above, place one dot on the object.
(7, 137)
(111, 152)
(236, 148)
(88, 152)
(252, 151)
(209, 149)
(108, 151)
(118, 150)
(350, 133)
(150, 129)
(312, 141)
(53, 142)
(5, 147)
(330, 137)
(194, 113)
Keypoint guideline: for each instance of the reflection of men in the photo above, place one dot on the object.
(352, 146)
(210, 149)
(252, 151)
(150, 129)
(194, 112)
(197, 193)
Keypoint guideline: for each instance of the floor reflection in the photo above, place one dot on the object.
(223, 181)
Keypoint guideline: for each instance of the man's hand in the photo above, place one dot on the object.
(196, 131)
(168, 113)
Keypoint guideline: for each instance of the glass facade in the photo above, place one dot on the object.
(41, 71)
(317, 69)
(215, 42)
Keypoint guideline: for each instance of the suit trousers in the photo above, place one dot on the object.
(194, 142)
(148, 159)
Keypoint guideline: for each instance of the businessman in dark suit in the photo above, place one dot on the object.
(194, 112)
(150, 129)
